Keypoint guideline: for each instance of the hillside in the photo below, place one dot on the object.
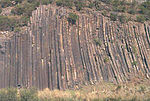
(63, 49)
(15, 14)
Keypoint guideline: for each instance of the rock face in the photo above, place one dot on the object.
(52, 53)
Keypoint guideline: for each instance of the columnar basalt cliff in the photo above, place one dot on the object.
(55, 54)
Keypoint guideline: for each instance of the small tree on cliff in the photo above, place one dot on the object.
(72, 18)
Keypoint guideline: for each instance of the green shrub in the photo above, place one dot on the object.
(134, 49)
(72, 18)
(113, 16)
(122, 18)
(28, 95)
(28, 8)
(17, 29)
(119, 9)
(142, 89)
(112, 99)
(106, 59)
(7, 23)
(132, 11)
(116, 3)
(144, 8)
(24, 9)
(98, 5)
(134, 99)
(91, 5)
(59, 2)
(97, 41)
(9, 94)
(134, 63)
(107, 1)
(79, 5)
(24, 21)
(5, 3)
(67, 3)
(105, 13)
(118, 87)
(3, 95)
(18, 10)
(0, 10)
(46, 2)
(32, 1)
(134, 3)
(140, 18)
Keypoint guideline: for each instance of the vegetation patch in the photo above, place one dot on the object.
(113, 16)
(0, 10)
(98, 92)
(24, 9)
(9, 94)
(72, 18)
(106, 59)
(79, 5)
(141, 18)
(134, 63)
(97, 42)
(122, 19)
(7, 23)
(115, 9)
(67, 3)
(28, 95)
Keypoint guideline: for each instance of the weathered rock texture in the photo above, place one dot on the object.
(52, 53)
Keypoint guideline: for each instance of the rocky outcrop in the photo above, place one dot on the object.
(52, 53)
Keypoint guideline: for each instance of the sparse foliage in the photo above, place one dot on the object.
(140, 18)
(67, 3)
(28, 95)
(134, 63)
(5, 3)
(7, 23)
(79, 5)
(0, 10)
(122, 18)
(72, 18)
(106, 59)
(9, 94)
(113, 16)
(97, 41)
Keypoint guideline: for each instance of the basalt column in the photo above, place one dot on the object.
(52, 53)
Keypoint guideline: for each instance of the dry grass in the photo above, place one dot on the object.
(134, 91)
